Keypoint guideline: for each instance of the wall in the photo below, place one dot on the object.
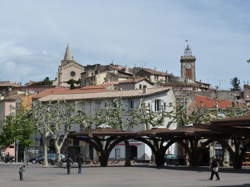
(65, 73)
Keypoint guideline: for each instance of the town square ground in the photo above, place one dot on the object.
(116, 176)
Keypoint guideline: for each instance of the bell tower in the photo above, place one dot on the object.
(188, 64)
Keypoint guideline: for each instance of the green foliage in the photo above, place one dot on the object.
(144, 115)
(200, 115)
(17, 127)
(235, 82)
(73, 83)
(114, 115)
(117, 115)
(55, 120)
(45, 82)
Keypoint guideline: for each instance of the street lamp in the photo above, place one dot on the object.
(16, 149)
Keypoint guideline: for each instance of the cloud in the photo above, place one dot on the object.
(144, 32)
(19, 63)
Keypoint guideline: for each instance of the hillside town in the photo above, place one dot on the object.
(93, 87)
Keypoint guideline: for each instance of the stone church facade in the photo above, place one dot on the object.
(69, 69)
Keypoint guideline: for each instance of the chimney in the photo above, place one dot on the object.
(144, 89)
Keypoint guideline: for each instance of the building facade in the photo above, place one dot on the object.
(188, 65)
(68, 69)
(155, 98)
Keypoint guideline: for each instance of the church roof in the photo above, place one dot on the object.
(68, 54)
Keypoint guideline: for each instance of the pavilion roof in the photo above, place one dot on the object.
(153, 131)
(196, 130)
(234, 121)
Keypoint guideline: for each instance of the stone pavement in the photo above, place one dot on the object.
(37, 176)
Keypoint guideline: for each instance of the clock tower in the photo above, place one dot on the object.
(188, 65)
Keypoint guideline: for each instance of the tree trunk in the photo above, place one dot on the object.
(58, 152)
(159, 159)
(237, 162)
(226, 158)
(127, 154)
(103, 158)
(45, 152)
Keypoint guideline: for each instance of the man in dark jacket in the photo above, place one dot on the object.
(69, 161)
(214, 169)
(79, 161)
(21, 170)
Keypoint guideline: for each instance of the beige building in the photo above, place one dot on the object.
(98, 74)
(91, 101)
(154, 76)
(69, 69)
(7, 107)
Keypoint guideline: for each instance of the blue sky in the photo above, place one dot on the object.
(148, 33)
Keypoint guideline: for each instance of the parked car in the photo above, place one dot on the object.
(51, 158)
(172, 159)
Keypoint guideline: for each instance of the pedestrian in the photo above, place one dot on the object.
(21, 170)
(69, 161)
(7, 158)
(214, 169)
(79, 162)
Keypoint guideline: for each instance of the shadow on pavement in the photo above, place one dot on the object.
(183, 168)
(242, 185)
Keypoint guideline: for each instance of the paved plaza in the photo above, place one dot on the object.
(139, 176)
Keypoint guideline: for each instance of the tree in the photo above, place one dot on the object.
(235, 82)
(55, 121)
(145, 116)
(45, 82)
(18, 127)
(116, 115)
(73, 83)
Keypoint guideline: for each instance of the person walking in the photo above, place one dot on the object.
(69, 161)
(214, 169)
(21, 170)
(79, 162)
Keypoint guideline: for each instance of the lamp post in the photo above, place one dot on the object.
(17, 149)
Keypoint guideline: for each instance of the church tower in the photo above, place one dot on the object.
(69, 69)
(188, 65)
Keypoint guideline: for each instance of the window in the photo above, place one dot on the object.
(149, 106)
(157, 105)
(164, 106)
(140, 86)
(72, 73)
(105, 104)
(131, 103)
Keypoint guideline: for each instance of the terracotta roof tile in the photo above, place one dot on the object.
(135, 80)
(101, 86)
(8, 84)
(206, 102)
(67, 91)
(154, 72)
(101, 93)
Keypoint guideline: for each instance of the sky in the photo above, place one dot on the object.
(146, 33)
